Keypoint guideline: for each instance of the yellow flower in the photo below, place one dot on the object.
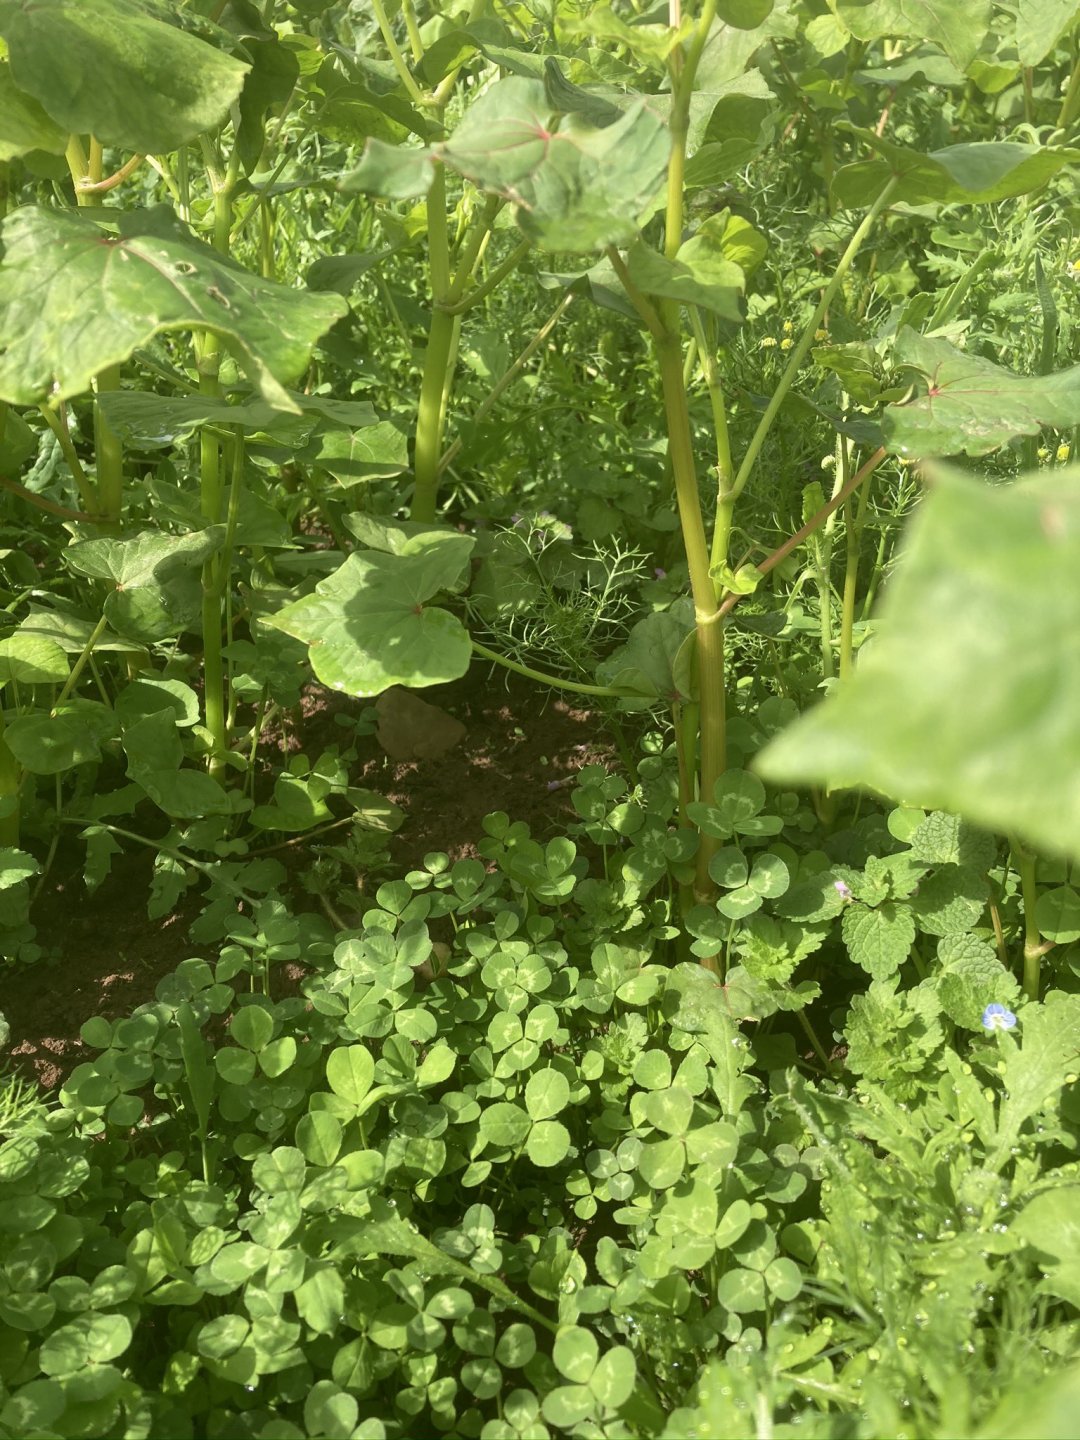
(1044, 453)
(768, 343)
(788, 327)
(821, 334)
(786, 344)
(1062, 454)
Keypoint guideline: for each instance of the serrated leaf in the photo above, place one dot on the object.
(971, 556)
(879, 940)
(76, 298)
(15, 866)
(971, 977)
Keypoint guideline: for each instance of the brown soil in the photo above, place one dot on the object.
(107, 957)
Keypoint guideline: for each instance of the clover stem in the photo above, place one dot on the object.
(811, 1035)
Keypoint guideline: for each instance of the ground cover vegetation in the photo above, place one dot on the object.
(716, 367)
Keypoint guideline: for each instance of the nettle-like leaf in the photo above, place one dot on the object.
(890, 1035)
(368, 626)
(970, 174)
(878, 939)
(958, 27)
(116, 70)
(972, 405)
(1003, 567)
(971, 977)
(76, 298)
(574, 186)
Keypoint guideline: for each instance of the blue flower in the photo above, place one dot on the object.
(996, 1017)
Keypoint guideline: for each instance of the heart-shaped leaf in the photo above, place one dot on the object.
(368, 626)
(76, 298)
(959, 175)
(972, 405)
(957, 26)
(118, 71)
(985, 604)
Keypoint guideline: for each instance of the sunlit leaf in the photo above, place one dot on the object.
(368, 626)
(980, 648)
(117, 71)
(972, 405)
(75, 298)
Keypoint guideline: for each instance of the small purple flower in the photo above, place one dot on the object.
(516, 518)
(660, 573)
(996, 1017)
(843, 890)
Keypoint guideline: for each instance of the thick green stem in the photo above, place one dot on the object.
(10, 781)
(1071, 103)
(1035, 947)
(710, 632)
(851, 580)
(110, 453)
(440, 344)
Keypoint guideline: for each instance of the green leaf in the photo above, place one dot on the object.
(319, 1135)
(546, 1094)
(548, 1143)
(699, 275)
(320, 1300)
(1039, 26)
(24, 125)
(236, 1067)
(16, 866)
(574, 187)
(575, 1353)
(156, 590)
(971, 557)
(395, 172)
(115, 70)
(329, 1410)
(646, 663)
(741, 1291)
(504, 1125)
(613, 1380)
(251, 1027)
(350, 1071)
(1033, 1072)
(879, 940)
(49, 744)
(956, 26)
(1057, 914)
(970, 978)
(87, 1340)
(972, 174)
(65, 313)
(368, 627)
(972, 405)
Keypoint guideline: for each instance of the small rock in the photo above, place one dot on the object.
(411, 729)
